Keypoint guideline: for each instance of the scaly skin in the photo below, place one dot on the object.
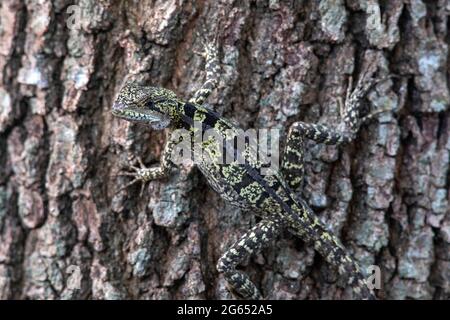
(270, 196)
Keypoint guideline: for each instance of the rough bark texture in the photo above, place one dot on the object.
(64, 234)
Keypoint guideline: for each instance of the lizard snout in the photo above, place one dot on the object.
(118, 106)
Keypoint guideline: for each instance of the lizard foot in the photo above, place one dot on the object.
(140, 174)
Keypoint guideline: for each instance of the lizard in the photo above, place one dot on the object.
(273, 196)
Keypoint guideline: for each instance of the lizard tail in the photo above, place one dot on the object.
(312, 230)
(329, 246)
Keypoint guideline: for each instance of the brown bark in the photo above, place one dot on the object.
(61, 224)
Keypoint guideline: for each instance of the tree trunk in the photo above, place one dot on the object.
(65, 232)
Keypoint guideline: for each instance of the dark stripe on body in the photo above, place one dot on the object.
(187, 118)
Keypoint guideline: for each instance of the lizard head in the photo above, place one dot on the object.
(155, 106)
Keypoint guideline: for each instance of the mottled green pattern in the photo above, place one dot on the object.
(269, 196)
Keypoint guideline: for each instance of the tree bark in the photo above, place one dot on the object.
(66, 234)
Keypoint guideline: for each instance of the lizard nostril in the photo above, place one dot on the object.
(118, 108)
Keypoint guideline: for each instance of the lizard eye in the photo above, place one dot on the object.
(150, 104)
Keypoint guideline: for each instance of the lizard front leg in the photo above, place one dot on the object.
(212, 69)
(250, 243)
(144, 174)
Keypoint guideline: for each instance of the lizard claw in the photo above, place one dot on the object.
(129, 185)
(137, 174)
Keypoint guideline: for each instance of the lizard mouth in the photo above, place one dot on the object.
(154, 118)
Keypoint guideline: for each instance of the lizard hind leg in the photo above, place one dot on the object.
(350, 117)
(292, 161)
(350, 109)
(250, 243)
(320, 133)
